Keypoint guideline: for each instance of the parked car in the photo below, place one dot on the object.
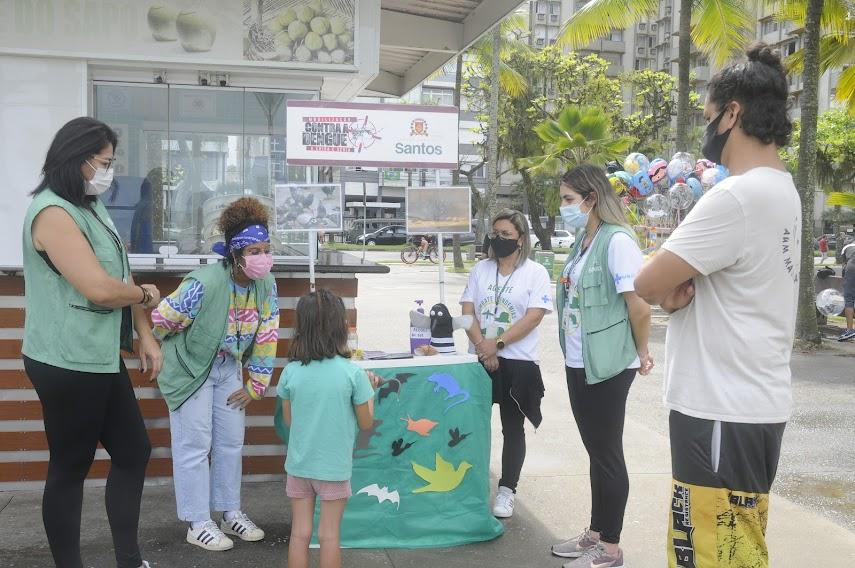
(389, 235)
(560, 239)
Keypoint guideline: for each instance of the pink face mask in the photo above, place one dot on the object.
(257, 266)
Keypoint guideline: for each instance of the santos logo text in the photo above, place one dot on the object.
(401, 148)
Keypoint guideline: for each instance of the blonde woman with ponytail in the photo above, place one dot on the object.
(604, 329)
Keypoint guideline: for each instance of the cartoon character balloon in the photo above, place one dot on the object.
(636, 162)
(680, 196)
(624, 177)
(657, 207)
(658, 172)
(642, 183)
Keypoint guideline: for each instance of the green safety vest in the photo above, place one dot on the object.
(188, 356)
(608, 347)
(61, 327)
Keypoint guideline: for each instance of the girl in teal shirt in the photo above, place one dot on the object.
(324, 398)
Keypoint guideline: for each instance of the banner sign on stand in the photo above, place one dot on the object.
(371, 135)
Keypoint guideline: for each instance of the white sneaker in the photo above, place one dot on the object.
(504, 505)
(243, 528)
(210, 537)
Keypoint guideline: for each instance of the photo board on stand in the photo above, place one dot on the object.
(439, 210)
(309, 207)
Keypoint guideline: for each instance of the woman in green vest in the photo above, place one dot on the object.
(82, 306)
(603, 328)
(221, 318)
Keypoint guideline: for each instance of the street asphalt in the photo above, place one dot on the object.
(812, 516)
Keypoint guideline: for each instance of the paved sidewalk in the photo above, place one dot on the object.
(554, 496)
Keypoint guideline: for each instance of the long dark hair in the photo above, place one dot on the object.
(321, 331)
(760, 86)
(77, 141)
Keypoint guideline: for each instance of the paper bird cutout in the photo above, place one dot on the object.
(382, 494)
(456, 437)
(443, 479)
(422, 427)
(399, 447)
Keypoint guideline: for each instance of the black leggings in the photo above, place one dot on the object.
(600, 410)
(80, 410)
(526, 374)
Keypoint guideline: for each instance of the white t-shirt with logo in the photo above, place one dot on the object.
(625, 261)
(728, 352)
(527, 287)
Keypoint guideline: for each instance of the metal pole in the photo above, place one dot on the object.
(440, 251)
(364, 220)
(313, 243)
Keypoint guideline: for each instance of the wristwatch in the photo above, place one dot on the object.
(500, 344)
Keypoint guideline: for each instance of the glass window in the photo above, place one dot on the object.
(616, 35)
(770, 26)
(642, 26)
(555, 8)
(190, 152)
(437, 96)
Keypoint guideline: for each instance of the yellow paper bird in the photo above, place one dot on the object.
(444, 478)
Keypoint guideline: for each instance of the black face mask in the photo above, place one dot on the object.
(713, 142)
(504, 247)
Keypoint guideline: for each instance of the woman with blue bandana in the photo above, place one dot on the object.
(221, 318)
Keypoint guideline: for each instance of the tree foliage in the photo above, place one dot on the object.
(835, 150)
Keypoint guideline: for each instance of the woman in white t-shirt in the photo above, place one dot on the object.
(604, 332)
(508, 295)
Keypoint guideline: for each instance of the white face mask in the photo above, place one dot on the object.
(100, 182)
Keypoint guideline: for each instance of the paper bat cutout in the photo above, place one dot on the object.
(382, 494)
(393, 386)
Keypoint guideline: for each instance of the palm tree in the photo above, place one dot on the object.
(834, 19)
(719, 28)
(836, 47)
(807, 329)
(455, 175)
(478, 63)
(579, 135)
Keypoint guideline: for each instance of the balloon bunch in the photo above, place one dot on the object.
(664, 191)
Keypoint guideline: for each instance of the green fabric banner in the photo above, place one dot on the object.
(421, 476)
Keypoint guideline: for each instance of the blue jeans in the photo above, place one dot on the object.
(206, 425)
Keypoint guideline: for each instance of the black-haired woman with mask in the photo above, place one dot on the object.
(82, 308)
(508, 295)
